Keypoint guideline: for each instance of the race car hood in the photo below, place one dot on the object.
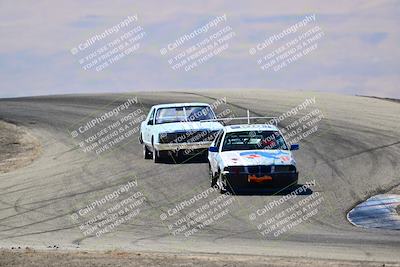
(257, 157)
(189, 126)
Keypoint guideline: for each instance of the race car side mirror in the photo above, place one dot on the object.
(213, 149)
(294, 147)
(150, 122)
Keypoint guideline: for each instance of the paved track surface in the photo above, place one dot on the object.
(354, 154)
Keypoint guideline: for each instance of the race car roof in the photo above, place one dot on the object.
(250, 127)
(171, 105)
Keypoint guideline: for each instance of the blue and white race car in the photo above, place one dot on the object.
(246, 157)
(171, 128)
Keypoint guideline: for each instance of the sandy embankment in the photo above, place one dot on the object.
(32, 258)
(18, 148)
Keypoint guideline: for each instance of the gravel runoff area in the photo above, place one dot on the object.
(29, 257)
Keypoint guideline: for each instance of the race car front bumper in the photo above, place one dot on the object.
(261, 180)
(183, 146)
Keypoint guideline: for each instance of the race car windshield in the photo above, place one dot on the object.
(199, 113)
(253, 140)
(182, 114)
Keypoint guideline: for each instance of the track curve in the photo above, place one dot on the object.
(354, 153)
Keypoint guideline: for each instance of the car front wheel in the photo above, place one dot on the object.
(221, 182)
(146, 152)
(157, 155)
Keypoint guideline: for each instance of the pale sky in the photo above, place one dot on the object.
(359, 52)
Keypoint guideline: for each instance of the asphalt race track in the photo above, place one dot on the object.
(353, 155)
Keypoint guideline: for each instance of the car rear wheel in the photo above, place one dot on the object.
(213, 178)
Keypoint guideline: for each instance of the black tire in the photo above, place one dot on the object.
(157, 155)
(213, 178)
(221, 181)
(146, 152)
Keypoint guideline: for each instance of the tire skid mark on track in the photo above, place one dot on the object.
(66, 196)
(29, 188)
(51, 202)
(34, 223)
(372, 149)
(38, 232)
(336, 171)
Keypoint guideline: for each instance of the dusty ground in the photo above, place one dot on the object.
(28, 257)
(17, 147)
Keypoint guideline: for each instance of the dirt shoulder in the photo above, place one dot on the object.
(28, 257)
(18, 148)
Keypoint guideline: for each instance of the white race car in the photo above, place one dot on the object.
(246, 157)
(171, 128)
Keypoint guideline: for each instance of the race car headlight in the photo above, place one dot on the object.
(284, 168)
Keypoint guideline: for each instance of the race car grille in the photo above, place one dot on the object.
(258, 169)
(262, 169)
(250, 169)
(188, 137)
